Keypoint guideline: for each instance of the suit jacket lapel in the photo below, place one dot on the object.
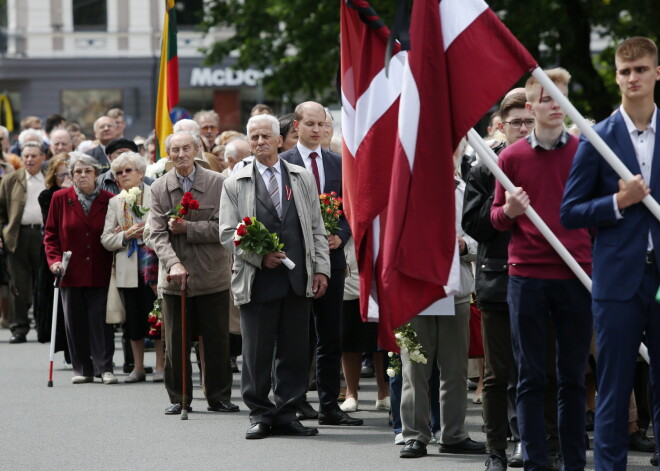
(626, 152)
(286, 183)
(655, 163)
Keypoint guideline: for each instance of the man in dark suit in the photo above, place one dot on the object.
(105, 130)
(625, 262)
(309, 121)
(274, 300)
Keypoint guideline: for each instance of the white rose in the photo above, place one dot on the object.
(398, 336)
(391, 373)
(390, 354)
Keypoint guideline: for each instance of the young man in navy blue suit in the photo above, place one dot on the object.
(309, 120)
(626, 245)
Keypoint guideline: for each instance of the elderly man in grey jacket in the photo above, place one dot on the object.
(275, 301)
(191, 258)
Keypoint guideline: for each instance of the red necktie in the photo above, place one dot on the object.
(315, 170)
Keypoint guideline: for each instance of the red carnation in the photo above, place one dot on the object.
(237, 243)
(193, 204)
(241, 231)
(247, 221)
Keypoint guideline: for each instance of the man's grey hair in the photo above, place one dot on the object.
(262, 119)
(76, 157)
(188, 125)
(34, 144)
(96, 123)
(32, 135)
(195, 138)
(4, 131)
(128, 158)
(231, 150)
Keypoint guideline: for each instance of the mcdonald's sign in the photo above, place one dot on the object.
(6, 113)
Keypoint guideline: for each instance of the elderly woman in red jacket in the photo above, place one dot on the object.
(75, 223)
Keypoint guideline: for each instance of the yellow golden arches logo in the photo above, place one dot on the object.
(6, 113)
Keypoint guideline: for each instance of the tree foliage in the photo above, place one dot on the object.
(299, 40)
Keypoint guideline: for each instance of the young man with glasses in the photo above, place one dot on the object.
(541, 286)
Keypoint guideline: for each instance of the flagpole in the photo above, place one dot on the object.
(592, 135)
(489, 159)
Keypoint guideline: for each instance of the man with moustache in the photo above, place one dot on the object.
(275, 301)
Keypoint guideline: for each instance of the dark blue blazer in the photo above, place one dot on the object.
(332, 170)
(619, 245)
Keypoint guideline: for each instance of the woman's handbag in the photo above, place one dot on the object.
(115, 312)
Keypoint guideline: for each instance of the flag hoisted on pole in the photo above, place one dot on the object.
(370, 104)
(168, 79)
(451, 79)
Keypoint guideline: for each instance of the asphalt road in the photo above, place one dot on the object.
(122, 427)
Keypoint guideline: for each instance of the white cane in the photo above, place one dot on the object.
(53, 329)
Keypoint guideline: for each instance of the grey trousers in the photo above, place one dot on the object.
(23, 266)
(445, 339)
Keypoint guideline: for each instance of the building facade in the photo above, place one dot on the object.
(79, 58)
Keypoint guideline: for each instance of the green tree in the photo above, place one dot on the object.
(299, 40)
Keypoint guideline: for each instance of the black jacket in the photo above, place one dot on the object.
(492, 267)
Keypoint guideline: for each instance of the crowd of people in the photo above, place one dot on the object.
(150, 238)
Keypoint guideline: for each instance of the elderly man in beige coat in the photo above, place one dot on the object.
(21, 220)
(191, 256)
(275, 301)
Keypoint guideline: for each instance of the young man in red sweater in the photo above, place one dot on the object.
(540, 283)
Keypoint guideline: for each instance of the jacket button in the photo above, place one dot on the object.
(483, 266)
(86, 258)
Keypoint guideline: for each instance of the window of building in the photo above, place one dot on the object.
(84, 106)
(90, 15)
(189, 13)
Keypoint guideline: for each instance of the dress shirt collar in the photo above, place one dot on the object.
(563, 139)
(190, 176)
(262, 168)
(630, 126)
(304, 151)
(38, 176)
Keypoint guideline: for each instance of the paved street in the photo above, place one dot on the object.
(122, 427)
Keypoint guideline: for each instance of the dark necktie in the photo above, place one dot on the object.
(315, 171)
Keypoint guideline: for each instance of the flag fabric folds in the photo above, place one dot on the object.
(452, 77)
(168, 79)
(400, 132)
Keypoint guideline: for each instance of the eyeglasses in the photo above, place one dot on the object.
(126, 171)
(517, 123)
(63, 175)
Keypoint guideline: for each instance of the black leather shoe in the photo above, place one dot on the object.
(295, 429)
(17, 338)
(257, 431)
(222, 406)
(175, 409)
(338, 417)
(640, 442)
(654, 458)
(466, 447)
(516, 458)
(496, 461)
(589, 421)
(305, 411)
(413, 449)
(555, 461)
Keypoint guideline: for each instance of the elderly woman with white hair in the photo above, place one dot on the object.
(136, 265)
(75, 223)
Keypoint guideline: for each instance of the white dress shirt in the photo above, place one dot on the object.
(304, 153)
(32, 211)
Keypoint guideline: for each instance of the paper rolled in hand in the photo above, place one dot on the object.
(288, 263)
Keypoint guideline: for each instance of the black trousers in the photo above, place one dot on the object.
(209, 313)
(327, 322)
(276, 329)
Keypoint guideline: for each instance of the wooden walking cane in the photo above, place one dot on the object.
(184, 351)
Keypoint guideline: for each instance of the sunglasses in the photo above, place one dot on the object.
(63, 175)
(126, 171)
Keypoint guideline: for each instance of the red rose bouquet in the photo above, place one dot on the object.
(252, 236)
(155, 320)
(330, 212)
(188, 203)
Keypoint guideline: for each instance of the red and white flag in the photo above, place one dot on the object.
(462, 59)
(370, 105)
